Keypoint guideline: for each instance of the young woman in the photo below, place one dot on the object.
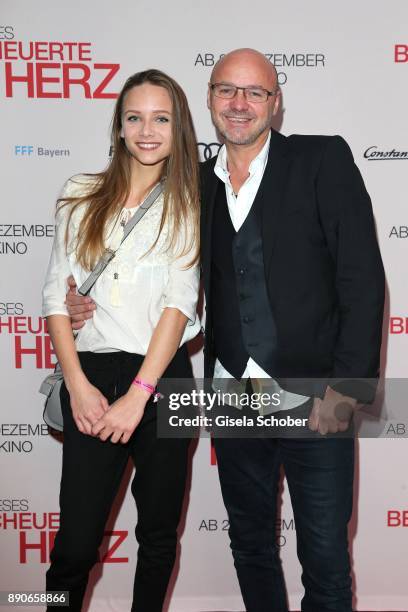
(146, 312)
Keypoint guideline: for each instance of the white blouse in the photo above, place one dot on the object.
(134, 288)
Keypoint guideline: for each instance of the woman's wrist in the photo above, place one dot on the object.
(146, 388)
(137, 392)
(75, 380)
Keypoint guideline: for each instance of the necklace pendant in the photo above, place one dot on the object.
(115, 292)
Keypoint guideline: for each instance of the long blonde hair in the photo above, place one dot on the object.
(110, 188)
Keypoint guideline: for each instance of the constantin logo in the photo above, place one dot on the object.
(375, 154)
(207, 150)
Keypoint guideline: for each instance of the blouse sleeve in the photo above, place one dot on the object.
(182, 288)
(55, 285)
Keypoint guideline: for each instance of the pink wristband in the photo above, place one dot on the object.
(147, 387)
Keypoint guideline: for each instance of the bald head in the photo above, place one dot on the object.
(246, 62)
(243, 119)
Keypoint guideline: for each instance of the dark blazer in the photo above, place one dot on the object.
(323, 268)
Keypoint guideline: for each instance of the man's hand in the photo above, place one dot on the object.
(333, 413)
(123, 416)
(79, 307)
(88, 405)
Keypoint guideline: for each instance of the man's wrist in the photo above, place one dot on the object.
(344, 398)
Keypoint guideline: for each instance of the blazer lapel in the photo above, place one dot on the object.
(209, 184)
(272, 194)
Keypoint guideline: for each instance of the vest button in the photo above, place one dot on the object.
(246, 319)
(242, 271)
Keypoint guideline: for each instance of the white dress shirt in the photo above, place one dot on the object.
(239, 206)
(135, 287)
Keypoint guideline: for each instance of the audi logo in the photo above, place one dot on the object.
(207, 150)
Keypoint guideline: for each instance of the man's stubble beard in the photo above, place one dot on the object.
(248, 139)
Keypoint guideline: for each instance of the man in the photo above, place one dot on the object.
(294, 288)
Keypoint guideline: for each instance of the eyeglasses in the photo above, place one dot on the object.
(252, 94)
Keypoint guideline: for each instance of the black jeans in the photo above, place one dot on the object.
(319, 473)
(91, 473)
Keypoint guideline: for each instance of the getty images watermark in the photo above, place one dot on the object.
(213, 404)
(269, 409)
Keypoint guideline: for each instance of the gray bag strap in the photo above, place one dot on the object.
(108, 255)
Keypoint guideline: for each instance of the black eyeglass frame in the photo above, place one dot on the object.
(244, 89)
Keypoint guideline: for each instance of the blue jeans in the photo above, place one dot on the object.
(319, 473)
